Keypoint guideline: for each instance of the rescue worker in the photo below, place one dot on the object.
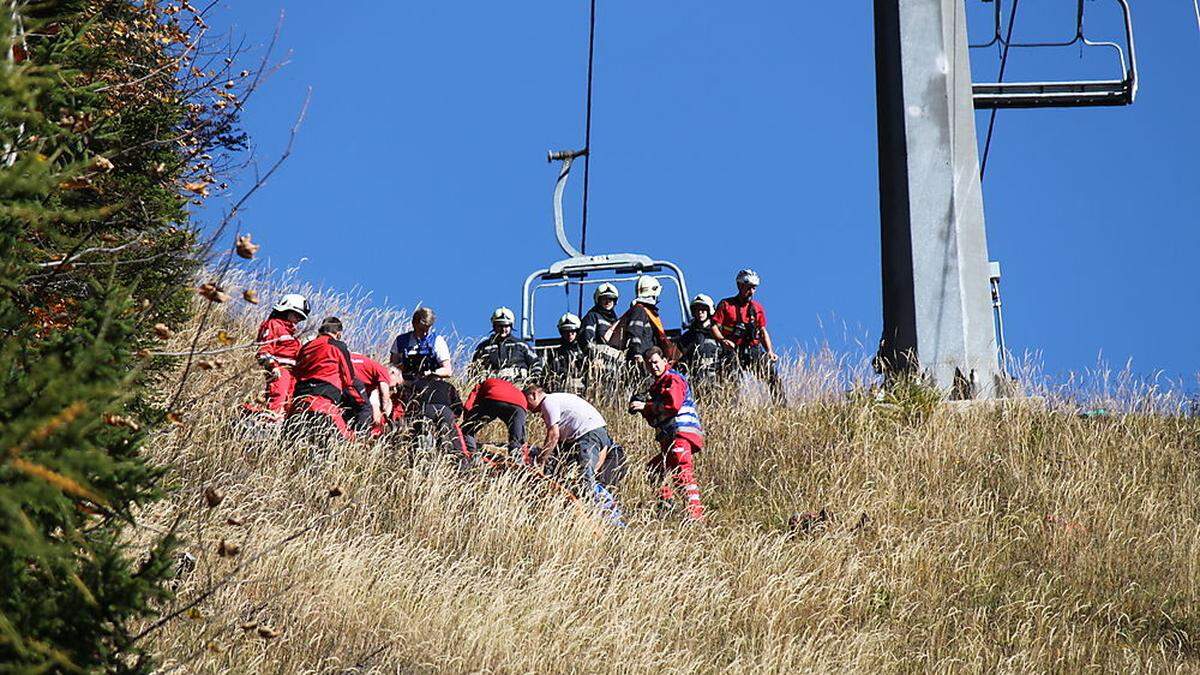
(370, 415)
(278, 347)
(740, 323)
(640, 328)
(324, 375)
(567, 363)
(502, 355)
(496, 399)
(703, 355)
(433, 400)
(604, 362)
(421, 352)
(601, 316)
(577, 431)
(671, 410)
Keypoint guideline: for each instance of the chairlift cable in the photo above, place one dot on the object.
(587, 136)
(1196, 6)
(987, 145)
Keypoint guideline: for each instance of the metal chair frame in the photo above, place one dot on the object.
(578, 269)
(1064, 94)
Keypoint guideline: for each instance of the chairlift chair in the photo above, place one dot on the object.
(1063, 94)
(583, 270)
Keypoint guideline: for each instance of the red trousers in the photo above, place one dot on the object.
(323, 406)
(279, 390)
(674, 465)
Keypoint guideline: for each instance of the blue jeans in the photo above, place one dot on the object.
(584, 452)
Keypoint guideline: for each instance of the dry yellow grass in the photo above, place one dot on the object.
(1014, 538)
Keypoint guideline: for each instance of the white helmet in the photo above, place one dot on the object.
(605, 290)
(704, 301)
(293, 302)
(569, 321)
(503, 316)
(748, 276)
(648, 288)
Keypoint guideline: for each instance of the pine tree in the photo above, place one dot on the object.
(106, 133)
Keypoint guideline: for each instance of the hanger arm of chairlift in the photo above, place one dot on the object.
(566, 157)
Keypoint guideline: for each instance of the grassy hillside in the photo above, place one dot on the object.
(1018, 537)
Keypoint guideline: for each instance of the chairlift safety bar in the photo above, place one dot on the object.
(1081, 93)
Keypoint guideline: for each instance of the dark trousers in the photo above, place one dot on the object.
(755, 360)
(485, 412)
(446, 431)
(360, 418)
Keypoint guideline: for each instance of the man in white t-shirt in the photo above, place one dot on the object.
(579, 430)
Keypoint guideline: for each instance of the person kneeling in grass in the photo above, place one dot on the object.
(577, 431)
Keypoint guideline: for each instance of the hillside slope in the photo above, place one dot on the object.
(1017, 538)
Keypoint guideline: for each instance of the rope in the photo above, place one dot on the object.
(587, 135)
(987, 145)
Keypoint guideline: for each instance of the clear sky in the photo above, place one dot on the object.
(725, 135)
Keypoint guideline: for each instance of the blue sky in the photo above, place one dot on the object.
(725, 135)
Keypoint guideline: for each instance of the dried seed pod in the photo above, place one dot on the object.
(213, 497)
(267, 633)
(198, 187)
(213, 292)
(335, 491)
(227, 549)
(250, 296)
(246, 248)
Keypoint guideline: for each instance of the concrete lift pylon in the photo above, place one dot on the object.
(937, 288)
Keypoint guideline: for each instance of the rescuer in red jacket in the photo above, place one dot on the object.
(496, 399)
(671, 410)
(740, 324)
(324, 374)
(377, 383)
(278, 347)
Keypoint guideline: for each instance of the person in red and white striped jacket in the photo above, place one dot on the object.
(278, 347)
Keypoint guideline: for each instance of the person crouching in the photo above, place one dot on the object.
(324, 372)
(671, 410)
(577, 431)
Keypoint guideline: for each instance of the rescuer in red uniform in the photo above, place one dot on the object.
(740, 323)
(496, 399)
(324, 374)
(372, 413)
(278, 347)
(671, 410)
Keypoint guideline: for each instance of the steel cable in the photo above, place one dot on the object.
(987, 145)
(587, 136)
